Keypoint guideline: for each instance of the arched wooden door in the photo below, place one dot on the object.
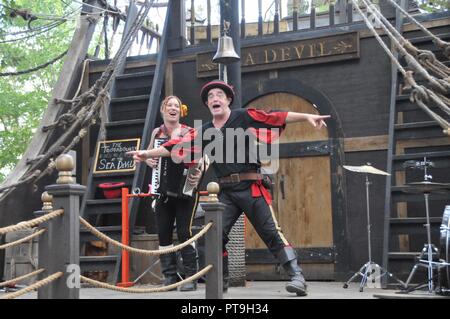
(301, 196)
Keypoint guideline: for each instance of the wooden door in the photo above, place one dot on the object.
(301, 197)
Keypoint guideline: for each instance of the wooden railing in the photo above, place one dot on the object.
(201, 29)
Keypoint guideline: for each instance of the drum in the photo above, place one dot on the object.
(445, 249)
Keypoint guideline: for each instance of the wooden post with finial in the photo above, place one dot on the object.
(213, 242)
(61, 245)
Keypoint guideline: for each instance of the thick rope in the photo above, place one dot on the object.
(100, 284)
(32, 222)
(102, 236)
(37, 285)
(92, 100)
(16, 280)
(425, 57)
(441, 85)
(445, 46)
(419, 92)
(17, 242)
(41, 66)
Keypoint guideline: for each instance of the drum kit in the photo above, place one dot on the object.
(435, 263)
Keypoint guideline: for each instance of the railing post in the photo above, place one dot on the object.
(44, 251)
(63, 246)
(213, 243)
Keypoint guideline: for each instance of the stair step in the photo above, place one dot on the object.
(415, 220)
(113, 174)
(416, 40)
(98, 263)
(130, 99)
(440, 159)
(119, 130)
(405, 105)
(103, 206)
(125, 123)
(412, 225)
(410, 256)
(129, 108)
(128, 76)
(115, 232)
(418, 130)
(399, 195)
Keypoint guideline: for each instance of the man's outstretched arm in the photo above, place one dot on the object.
(316, 120)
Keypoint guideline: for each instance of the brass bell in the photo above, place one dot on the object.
(225, 51)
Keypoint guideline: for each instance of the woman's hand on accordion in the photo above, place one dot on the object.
(152, 162)
(193, 179)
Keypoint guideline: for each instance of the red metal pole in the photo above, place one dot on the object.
(125, 240)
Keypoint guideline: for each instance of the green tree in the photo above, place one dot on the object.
(31, 33)
(434, 5)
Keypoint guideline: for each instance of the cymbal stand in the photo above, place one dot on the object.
(429, 247)
(368, 269)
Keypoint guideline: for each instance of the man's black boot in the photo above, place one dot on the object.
(169, 269)
(288, 259)
(189, 255)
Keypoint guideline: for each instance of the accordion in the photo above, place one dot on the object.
(169, 178)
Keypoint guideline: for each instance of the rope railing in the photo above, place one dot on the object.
(36, 285)
(22, 240)
(20, 278)
(32, 222)
(100, 284)
(116, 243)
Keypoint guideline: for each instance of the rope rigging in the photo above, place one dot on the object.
(445, 46)
(419, 93)
(41, 66)
(425, 57)
(84, 109)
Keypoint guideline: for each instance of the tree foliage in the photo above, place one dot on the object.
(31, 33)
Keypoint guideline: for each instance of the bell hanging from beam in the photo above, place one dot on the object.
(225, 50)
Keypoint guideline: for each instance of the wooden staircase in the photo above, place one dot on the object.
(413, 135)
(132, 113)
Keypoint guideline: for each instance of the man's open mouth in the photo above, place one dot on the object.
(216, 106)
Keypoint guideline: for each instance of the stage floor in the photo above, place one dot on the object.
(259, 290)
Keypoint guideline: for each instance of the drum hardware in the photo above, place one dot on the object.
(428, 258)
(370, 268)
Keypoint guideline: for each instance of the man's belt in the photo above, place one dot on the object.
(238, 177)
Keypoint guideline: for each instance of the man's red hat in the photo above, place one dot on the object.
(217, 84)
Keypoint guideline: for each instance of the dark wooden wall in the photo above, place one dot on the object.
(359, 91)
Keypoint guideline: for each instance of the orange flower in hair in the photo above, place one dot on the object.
(184, 110)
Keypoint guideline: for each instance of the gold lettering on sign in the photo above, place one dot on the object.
(285, 54)
(342, 46)
(312, 49)
(249, 60)
(322, 49)
(289, 54)
(208, 66)
(299, 51)
(266, 55)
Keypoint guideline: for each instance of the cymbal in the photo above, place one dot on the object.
(427, 187)
(365, 169)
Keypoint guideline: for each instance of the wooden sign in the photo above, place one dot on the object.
(288, 54)
(110, 156)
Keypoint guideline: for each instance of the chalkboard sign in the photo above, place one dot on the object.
(110, 156)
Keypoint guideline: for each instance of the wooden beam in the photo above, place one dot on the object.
(379, 143)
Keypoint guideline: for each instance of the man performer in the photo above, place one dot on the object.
(241, 184)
